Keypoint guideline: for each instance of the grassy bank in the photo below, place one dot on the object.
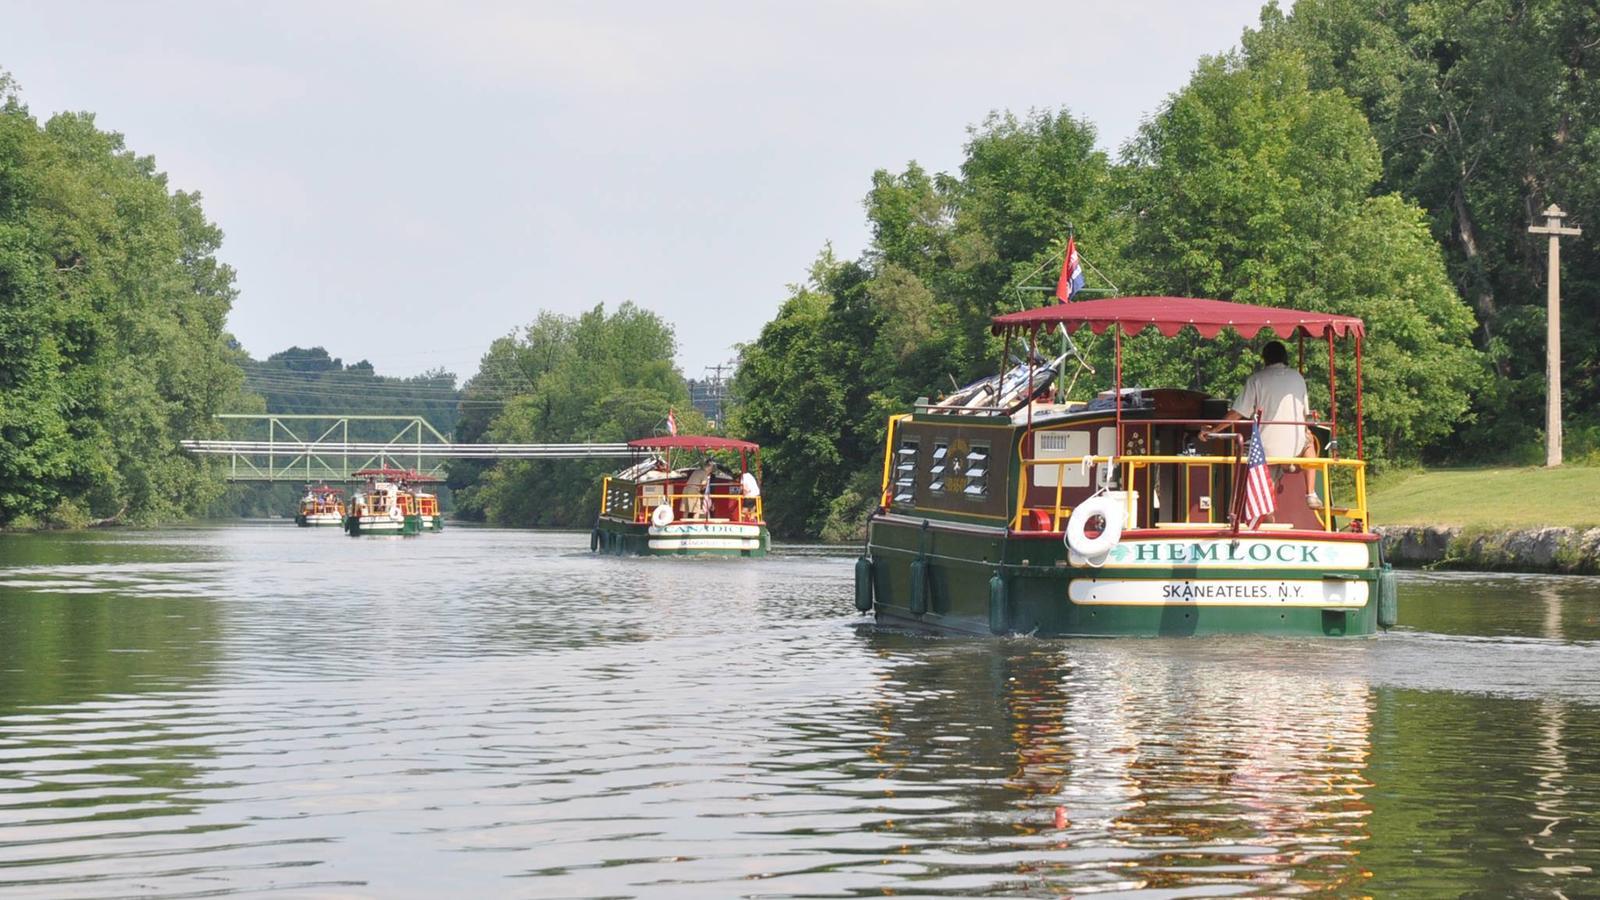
(1488, 498)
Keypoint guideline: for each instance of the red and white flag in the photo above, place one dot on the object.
(1071, 280)
(672, 422)
(1260, 500)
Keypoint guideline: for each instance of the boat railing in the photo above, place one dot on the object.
(1353, 513)
(687, 506)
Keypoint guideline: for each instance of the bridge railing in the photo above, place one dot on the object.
(332, 456)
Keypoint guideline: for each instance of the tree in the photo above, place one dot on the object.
(1485, 111)
(861, 340)
(112, 312)
(1251, 186)
(591, 378)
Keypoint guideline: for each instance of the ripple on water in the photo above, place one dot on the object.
(257, 708)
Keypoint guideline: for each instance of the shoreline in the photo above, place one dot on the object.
(1549, 549)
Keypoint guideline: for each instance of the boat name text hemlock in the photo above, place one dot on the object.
(1244, 553)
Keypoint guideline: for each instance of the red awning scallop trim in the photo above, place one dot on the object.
(1170, 315)
(691, 442)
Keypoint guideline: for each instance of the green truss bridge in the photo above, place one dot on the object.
(320, 447)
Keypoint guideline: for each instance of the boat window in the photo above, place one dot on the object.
(977, 471)
(905, 470)
(941, 449)
(1050, 445)
(619, 499)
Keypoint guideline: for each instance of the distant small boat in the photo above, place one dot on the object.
(658, 506)
(321, 506)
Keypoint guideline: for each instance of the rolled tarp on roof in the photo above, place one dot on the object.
(1170, 315)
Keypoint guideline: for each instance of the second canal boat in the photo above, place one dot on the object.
(678, 498)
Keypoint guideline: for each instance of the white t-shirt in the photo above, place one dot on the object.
(1280, 394)
(748, 486)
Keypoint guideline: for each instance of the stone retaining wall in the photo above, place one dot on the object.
(1571, 550)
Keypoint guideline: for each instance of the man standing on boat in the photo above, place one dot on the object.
(1278, 393)
(749, 490)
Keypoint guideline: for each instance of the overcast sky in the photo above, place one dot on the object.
(407, 182)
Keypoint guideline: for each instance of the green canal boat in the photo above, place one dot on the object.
(677, 499)
(392, 504)
(1008, 510)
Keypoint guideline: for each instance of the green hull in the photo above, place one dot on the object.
(618, 538)
(360, 526)
(949, 577)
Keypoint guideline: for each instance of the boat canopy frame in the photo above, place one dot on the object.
(749, 452)
(1210, 318)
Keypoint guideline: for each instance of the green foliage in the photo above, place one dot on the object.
(307, 381)
(1249, 185)
(112, 341)
(1487, 112)
(860, 340)
(590, 378)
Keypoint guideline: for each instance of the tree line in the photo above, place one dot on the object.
(112, 328)
(596, 377)
(1380, 158)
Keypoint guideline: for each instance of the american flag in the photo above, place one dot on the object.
(672, 421)
(1260, 500)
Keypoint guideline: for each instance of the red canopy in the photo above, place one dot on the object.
(691, 442)
(1171, 314)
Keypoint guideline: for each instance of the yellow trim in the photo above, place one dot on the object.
(1132, 464)
(957, 422)
(888, 458)
(670, 497)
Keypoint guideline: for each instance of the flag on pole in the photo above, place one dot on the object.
(1071, 280)
(672, 422)
(1260, 500)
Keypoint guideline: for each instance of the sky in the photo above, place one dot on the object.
(406, 182)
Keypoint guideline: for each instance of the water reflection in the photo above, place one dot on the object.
(1168, 776)
(98, 666)
(245, 709)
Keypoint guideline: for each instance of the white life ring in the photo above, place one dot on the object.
(1113, 507)
(661, 516)
(395, 513)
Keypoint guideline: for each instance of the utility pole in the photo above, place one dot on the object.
(716, 387)
(1552, 327)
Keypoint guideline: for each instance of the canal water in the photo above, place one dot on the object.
(482, 712)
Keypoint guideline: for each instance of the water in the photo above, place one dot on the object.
(480, 712)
